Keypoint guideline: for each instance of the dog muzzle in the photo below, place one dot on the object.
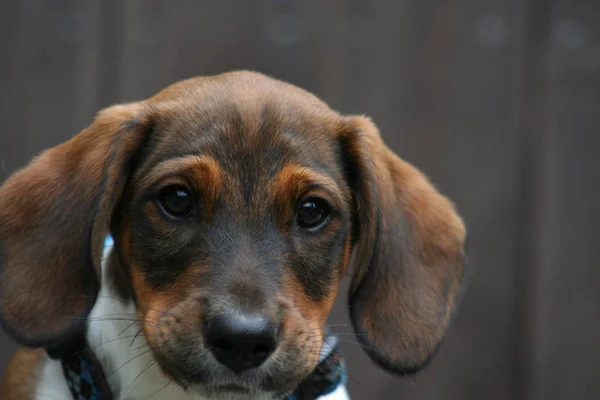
(86, 379)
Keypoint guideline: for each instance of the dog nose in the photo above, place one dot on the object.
(241, 341)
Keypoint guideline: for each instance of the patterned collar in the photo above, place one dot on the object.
(87, 381)
(85, 377)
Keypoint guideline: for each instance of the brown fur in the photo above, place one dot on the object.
(404, 239)
(20, 379)
(416, 300)
(35, 202)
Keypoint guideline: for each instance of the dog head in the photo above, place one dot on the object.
(237, 202)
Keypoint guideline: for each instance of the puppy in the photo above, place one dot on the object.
(236, 204)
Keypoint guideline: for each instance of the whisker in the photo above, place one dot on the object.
(115, 318)
(336, 333)
(135, 337)
(347, 375)
(316, 340)
(159, 390)
(141, 347)
(150, 365)
(128, 326)
(101, 344)
(121, 299)
(410, 380)
(128, 361)
(326, 326)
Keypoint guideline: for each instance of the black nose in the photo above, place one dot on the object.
(241, 341)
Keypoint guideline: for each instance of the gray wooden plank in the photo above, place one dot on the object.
(378, 38)
(48, 82)
(444, 82)
(533, 104)
(564, 344)
(441, 80)
(52, 69)
(162, 44)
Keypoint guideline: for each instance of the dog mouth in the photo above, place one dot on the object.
(215, 381)
(236, 392)
(232, 388)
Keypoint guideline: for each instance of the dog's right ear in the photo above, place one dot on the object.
(54, 215)
(409, 247)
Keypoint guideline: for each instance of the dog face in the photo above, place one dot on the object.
(237, 202)
(242, 219)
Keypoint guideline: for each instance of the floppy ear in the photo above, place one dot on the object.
(54, 215)
(408, 254)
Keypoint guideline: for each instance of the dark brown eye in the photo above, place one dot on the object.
(176, 201)
(312, 213)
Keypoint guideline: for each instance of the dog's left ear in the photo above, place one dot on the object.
(408, 253)
(54, 215)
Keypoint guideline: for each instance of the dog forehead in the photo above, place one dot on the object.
(243, 118)
(246, 98)
(231, 134)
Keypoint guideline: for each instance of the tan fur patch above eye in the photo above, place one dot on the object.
(293, 180)
(204, 172)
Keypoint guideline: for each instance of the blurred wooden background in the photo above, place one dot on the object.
(498, 101)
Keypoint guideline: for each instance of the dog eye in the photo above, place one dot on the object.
(176, 201)
(312, 213)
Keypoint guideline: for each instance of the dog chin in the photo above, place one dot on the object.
(233, 392)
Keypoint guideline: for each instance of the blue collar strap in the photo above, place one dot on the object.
(85, 377)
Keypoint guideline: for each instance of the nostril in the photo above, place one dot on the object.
(261, 351)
